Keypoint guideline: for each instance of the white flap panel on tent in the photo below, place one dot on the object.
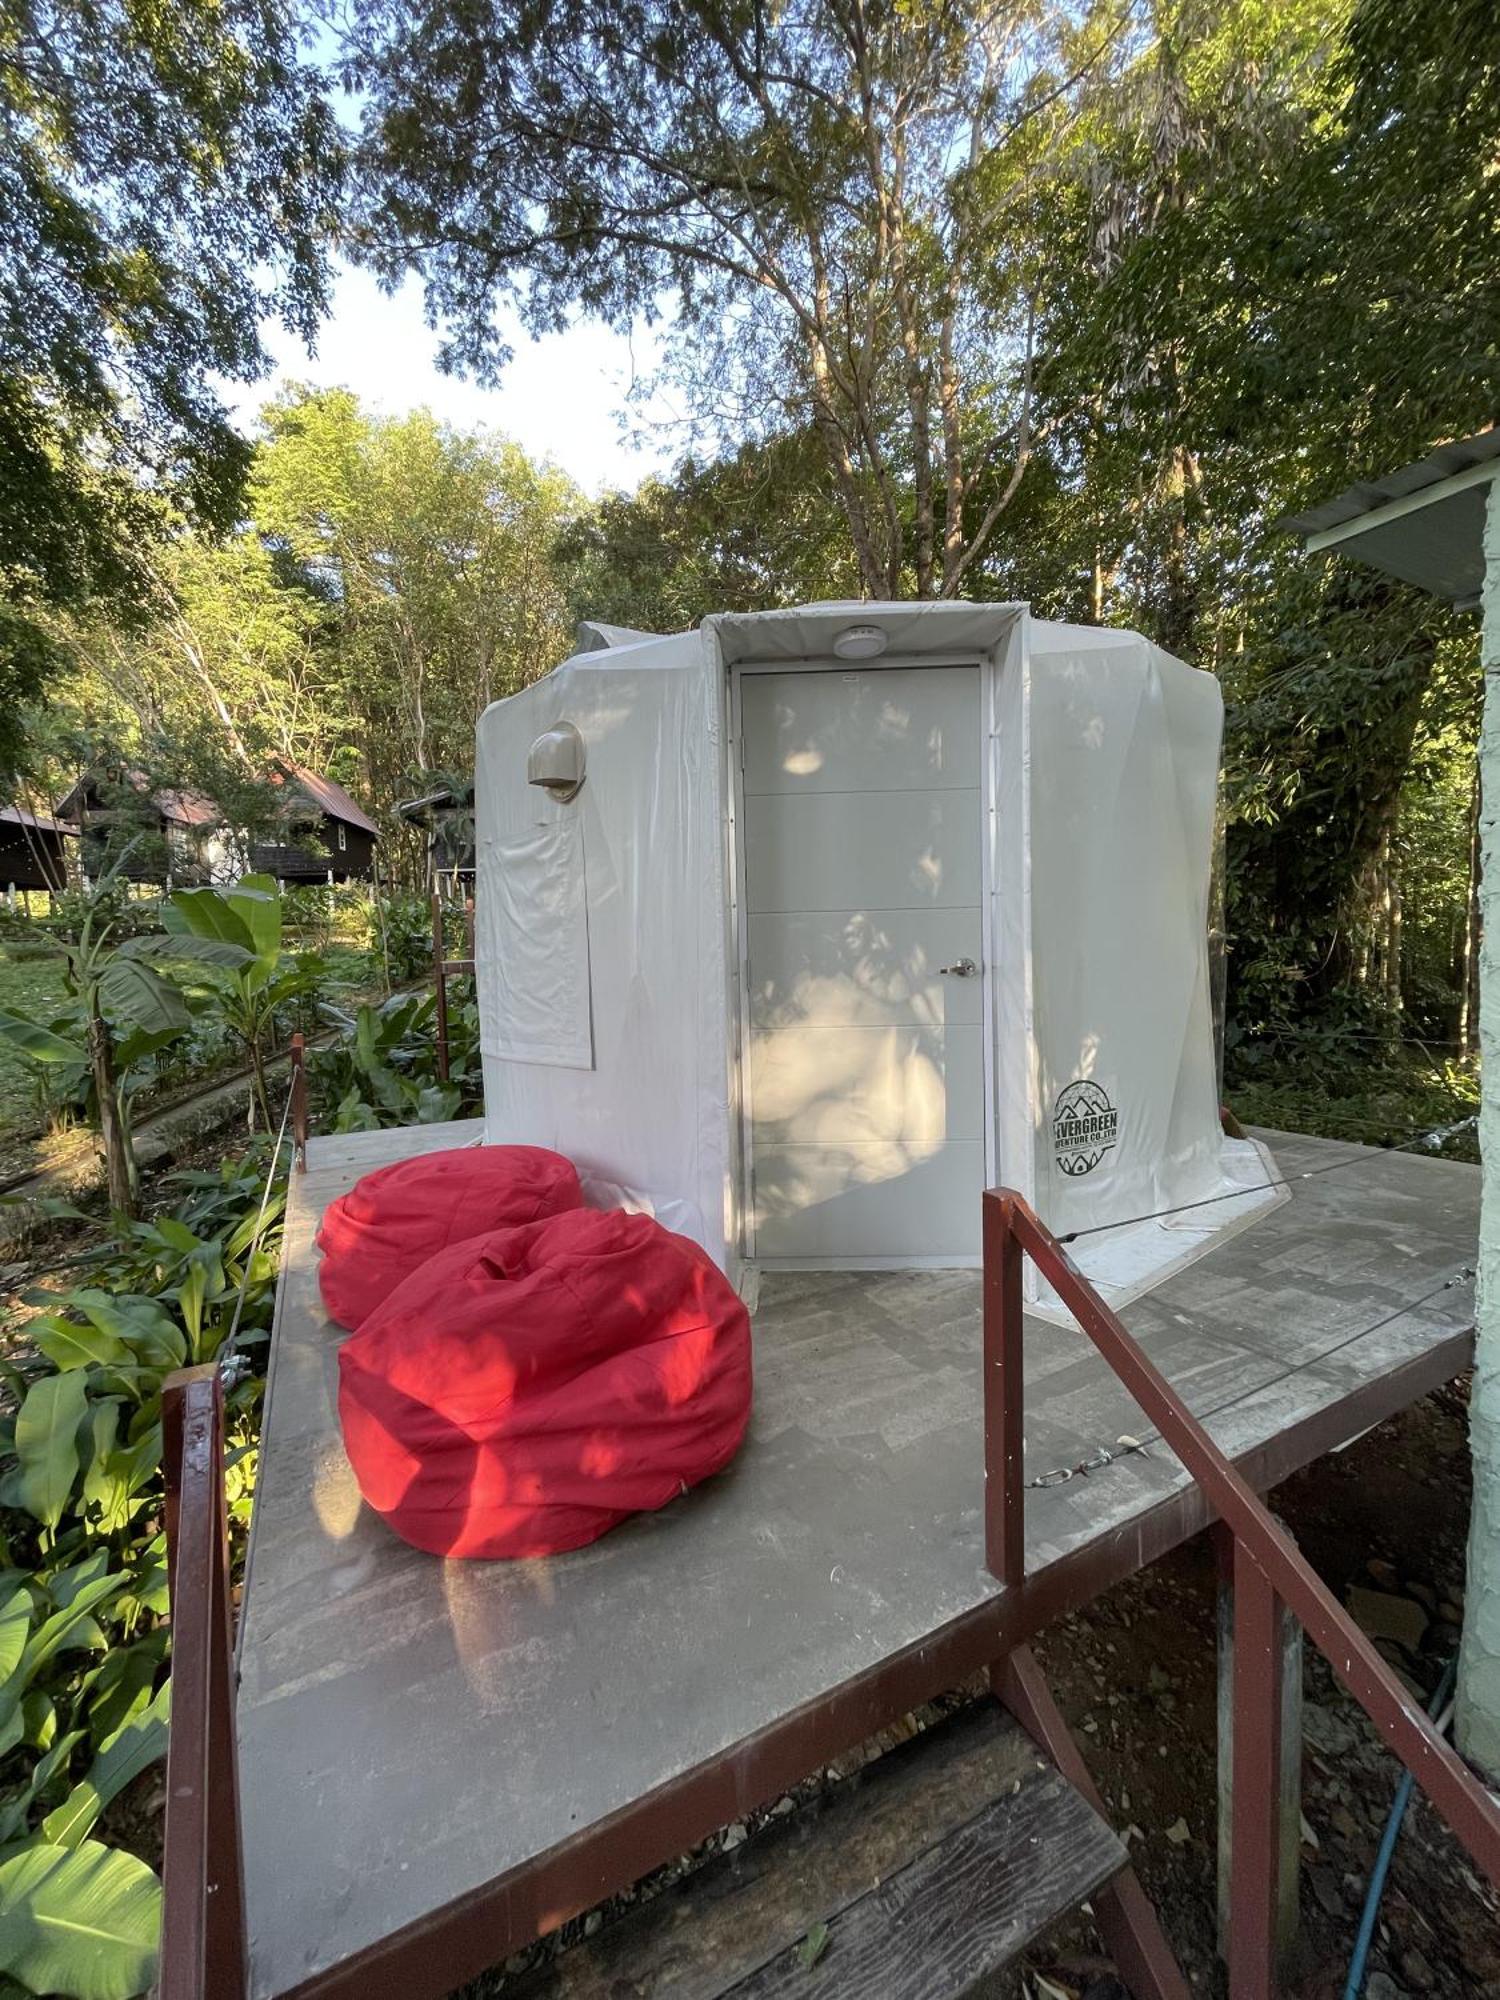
(1123, 743)
(537, 989)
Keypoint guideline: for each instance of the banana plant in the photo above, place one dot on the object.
(247, 920)
(125, 1011)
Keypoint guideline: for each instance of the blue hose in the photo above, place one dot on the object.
(1354, 1984)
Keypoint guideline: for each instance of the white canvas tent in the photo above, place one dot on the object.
(858, 909)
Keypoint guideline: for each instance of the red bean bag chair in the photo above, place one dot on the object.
(390, 1223)
(527, 1390)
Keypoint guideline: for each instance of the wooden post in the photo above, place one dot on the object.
(440, 977)
(299, 1103)
(1004, 1399)
(203, 1885)
(1288, 1786)
(1255, 1807)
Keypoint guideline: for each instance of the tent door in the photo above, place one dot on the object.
(862, 840)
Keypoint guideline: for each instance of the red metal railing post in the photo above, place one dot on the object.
(299, 1103)
(440, 976)
(1255, 1833)
(1004, 1394)
(203, 1949)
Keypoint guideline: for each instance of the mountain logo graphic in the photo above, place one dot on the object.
(1085, 1126)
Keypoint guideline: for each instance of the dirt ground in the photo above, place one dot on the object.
(1135, 1676)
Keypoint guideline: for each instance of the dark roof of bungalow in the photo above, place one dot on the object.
(325, 795)
(43, 822)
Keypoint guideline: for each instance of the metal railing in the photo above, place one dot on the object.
(1268, 1572)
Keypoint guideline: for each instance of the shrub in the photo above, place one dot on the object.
(84, 1688)
(383, 1070)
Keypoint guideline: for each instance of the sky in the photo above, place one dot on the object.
(560, 398)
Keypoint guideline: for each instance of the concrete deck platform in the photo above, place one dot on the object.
(439, 1759)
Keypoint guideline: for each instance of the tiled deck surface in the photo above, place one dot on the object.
(412, 1729)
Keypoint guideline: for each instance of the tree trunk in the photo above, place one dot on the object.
(1478, 1722)
(111, 1125)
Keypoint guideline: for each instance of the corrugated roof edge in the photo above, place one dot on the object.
(1366, 495)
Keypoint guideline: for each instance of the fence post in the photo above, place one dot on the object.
(1289, 1770)
(440, 976)
(1004, 1399)
(1255, 1772)
(299, 1103)
(203, 1948)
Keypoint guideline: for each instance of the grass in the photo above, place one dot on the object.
(34, 988)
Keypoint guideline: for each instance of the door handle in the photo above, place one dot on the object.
(961, 968)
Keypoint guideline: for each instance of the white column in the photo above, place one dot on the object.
(1478, 1721)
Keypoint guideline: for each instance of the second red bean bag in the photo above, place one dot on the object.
(393, 1220)
(528, 1390)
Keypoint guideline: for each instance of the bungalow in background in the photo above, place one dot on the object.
(33, 851)
(184, 839)
(447, 814)
(326, 838)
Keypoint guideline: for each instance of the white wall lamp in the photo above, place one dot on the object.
(556, 762)
(860, 642)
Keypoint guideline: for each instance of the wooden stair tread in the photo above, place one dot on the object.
(931, 1868)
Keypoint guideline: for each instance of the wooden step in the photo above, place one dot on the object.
(930, 1869)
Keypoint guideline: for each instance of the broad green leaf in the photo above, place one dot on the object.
(120, 1686)
(83, 1921)
(47, 1444)
(15, 1625)
(177, 1235)
(102, 1485)
(72, 1626)
(68, 1345)
(137, 1462)
(38, 1718)
(132, 1749)
(190, 1295)
(142, 1325)
(206, 914)
(188, 949)
(39, 1043)
(68, 1583)
(141, 997)
(255, 902)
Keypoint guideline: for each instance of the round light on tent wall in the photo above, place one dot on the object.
(555, 761)
(860, 642)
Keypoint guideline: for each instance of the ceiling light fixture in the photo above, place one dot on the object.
(860, 642)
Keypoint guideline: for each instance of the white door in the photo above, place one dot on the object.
(862, 878)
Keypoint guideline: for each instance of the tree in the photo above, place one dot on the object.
(837, 196)
(169, 178)
(430, 552)
(746, 532)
